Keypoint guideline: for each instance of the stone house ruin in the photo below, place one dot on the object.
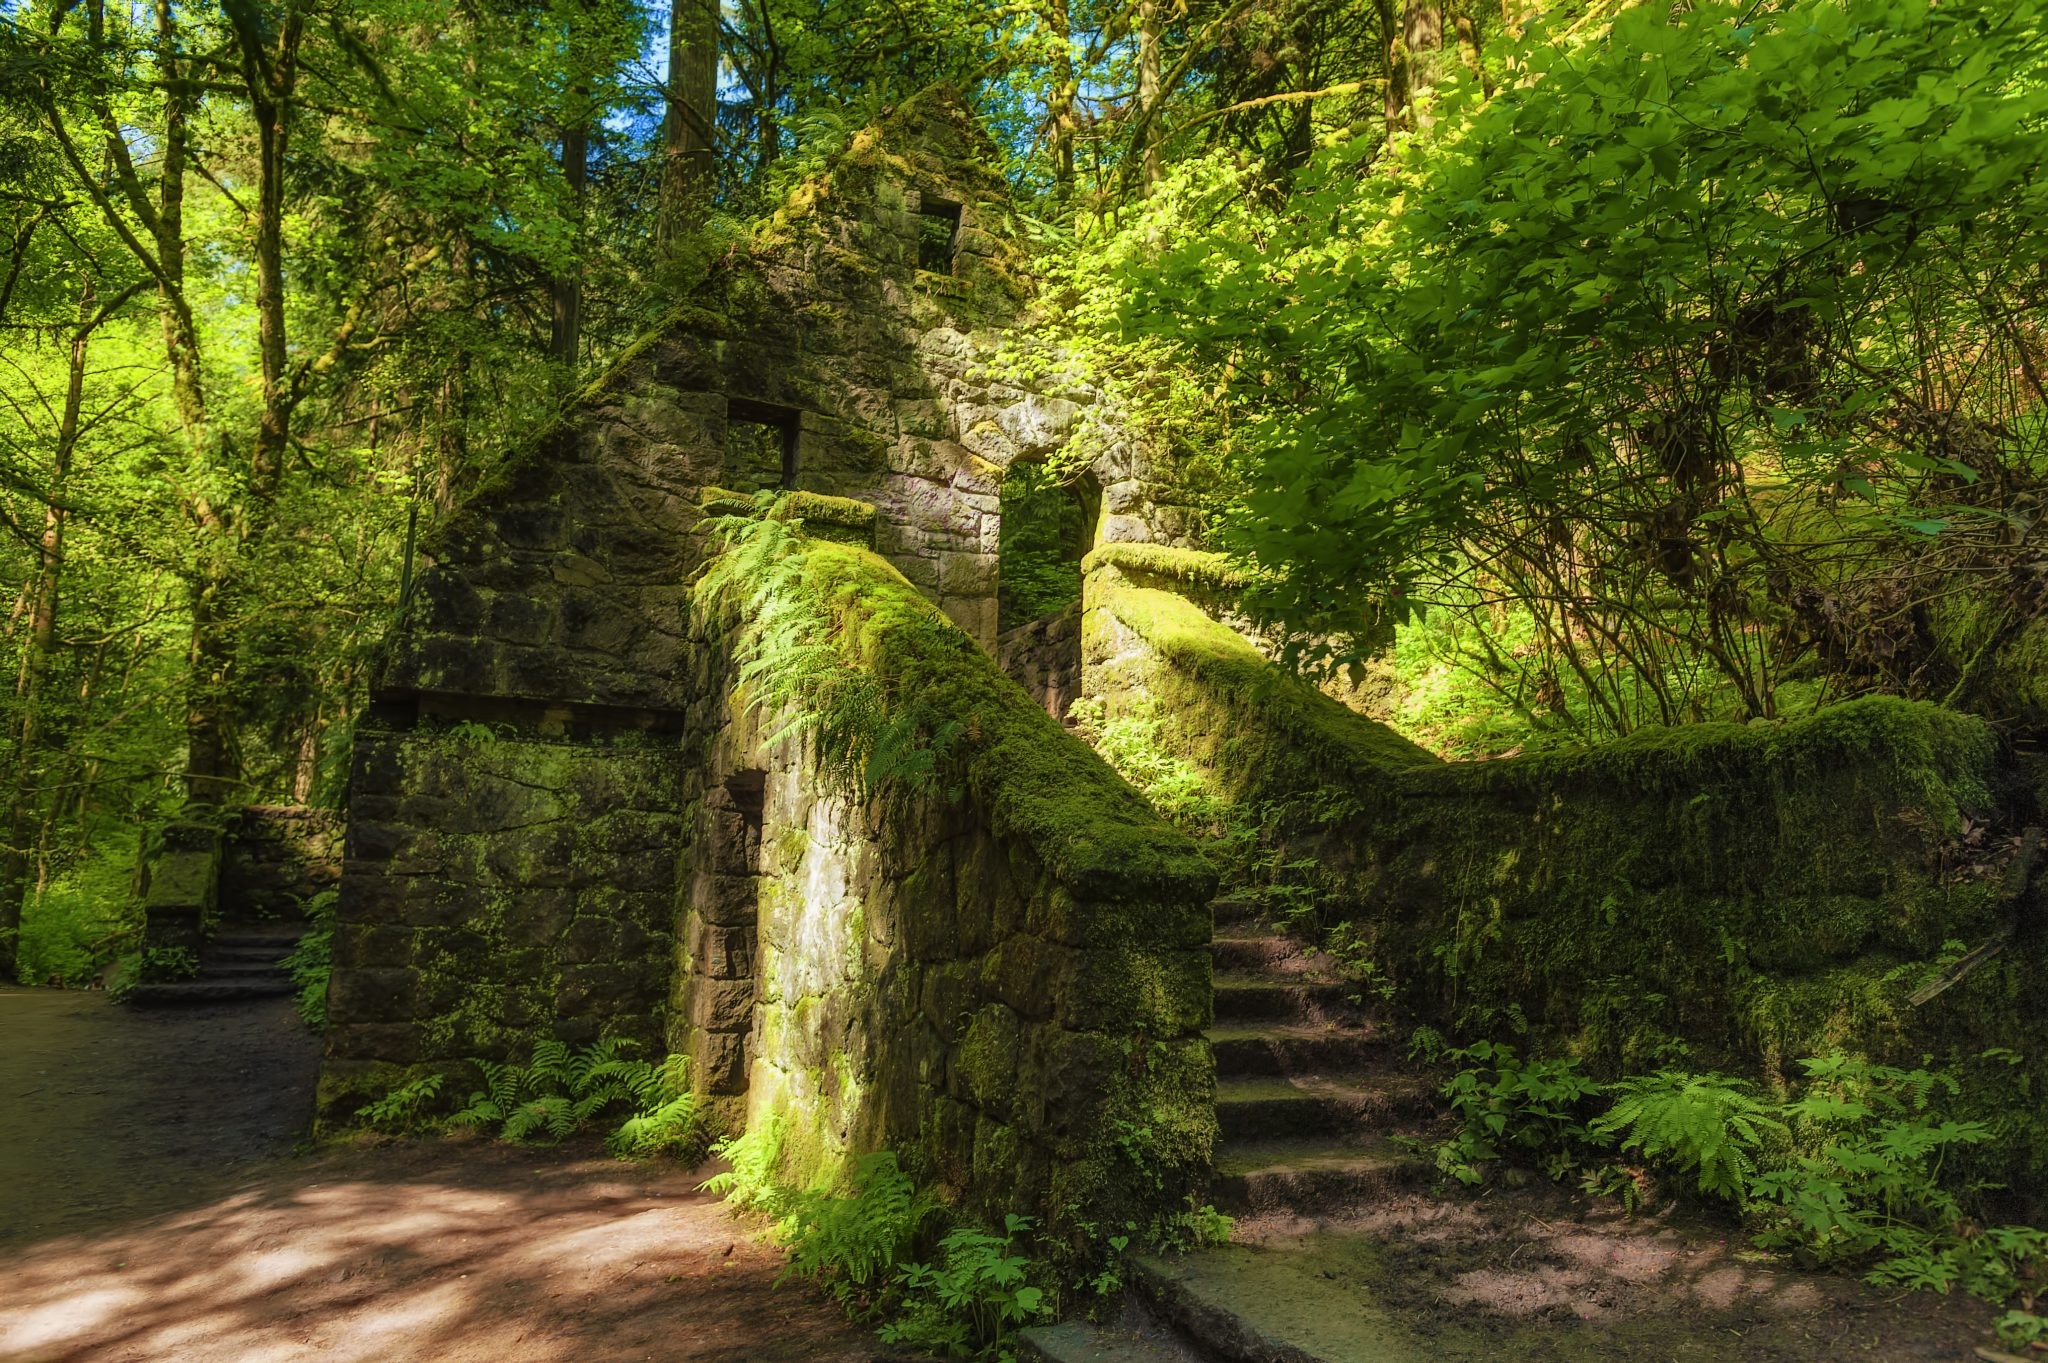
(562, 823)
(567, 819)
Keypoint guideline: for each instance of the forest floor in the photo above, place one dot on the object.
(156, 1203)
(152, 1208)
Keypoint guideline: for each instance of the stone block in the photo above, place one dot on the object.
(924, 418)
(967, 574)
(724, 953)
(721, 1061)
(385, 994)
(1038, 425)
(369, 841)
(722, 1005)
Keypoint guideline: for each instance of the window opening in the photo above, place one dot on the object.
(760, 446)
(1048, 527)
(938, 235)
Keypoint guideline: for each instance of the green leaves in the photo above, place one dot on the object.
(1704, 1123)
(1780, 227)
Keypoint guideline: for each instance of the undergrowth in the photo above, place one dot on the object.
(891, 1254)
(312, 960)
(1848, 1172)
(558, 1092)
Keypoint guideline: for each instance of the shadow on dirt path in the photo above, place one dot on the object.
(149, 1210)
(109, 1113)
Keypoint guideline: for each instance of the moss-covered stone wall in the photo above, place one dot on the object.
(1755, 894)
(1002, 975)
(498, 886)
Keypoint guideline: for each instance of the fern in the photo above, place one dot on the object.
(312, 960)
(752, 1158)
(403, 1108)
(795, 672)
(1703, 1124)
(666, 1119)
(848, 1243)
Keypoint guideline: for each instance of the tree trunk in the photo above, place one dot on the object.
(41, 646)
(181, 334)
(1148, 88)
(567, 292)
(1395, 107)
(1474, 50)
(1422, 35)
(688, 133)
(1059, 107)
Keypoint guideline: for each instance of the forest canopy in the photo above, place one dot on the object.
(1551, 372)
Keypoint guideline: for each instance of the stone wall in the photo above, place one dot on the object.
(181, 899)
(499, 885)
(565, 822)
(1044, 657)
(994, 975)
(1757, 894)
(276, 858)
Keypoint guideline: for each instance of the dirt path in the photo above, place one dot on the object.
(150, 1209)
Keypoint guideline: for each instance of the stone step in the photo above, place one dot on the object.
(286, 936)
(1289, 1048)
(1080, 1341)
(266, 953)
(172, 993)
(1247, 1305)
(1259, 998)
(1263, 1107)
(1306, 1175)
(212, 969)
(1265, 953)
(1234, 909)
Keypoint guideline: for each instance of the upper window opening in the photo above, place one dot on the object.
(760, 445)
(938, 234)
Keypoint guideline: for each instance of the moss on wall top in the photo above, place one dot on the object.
(1038, 782)
(1335, 742)
(1938, 760)
(1191, 568)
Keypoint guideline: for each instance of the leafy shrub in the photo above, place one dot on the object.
(1863, 1181)
(1848, 1173)
(1507, 1105)
(312, 960)
(168, 963)
(85, 917)
(974, 1300)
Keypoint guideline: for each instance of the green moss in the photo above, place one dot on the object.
(1164, 564)
(1265, 733)
(826, 516)
(719, 501)
(1037, 782)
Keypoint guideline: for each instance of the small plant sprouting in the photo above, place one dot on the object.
(404, 1108)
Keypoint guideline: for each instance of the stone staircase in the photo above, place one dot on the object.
(1310, 1091)
(240, 961)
